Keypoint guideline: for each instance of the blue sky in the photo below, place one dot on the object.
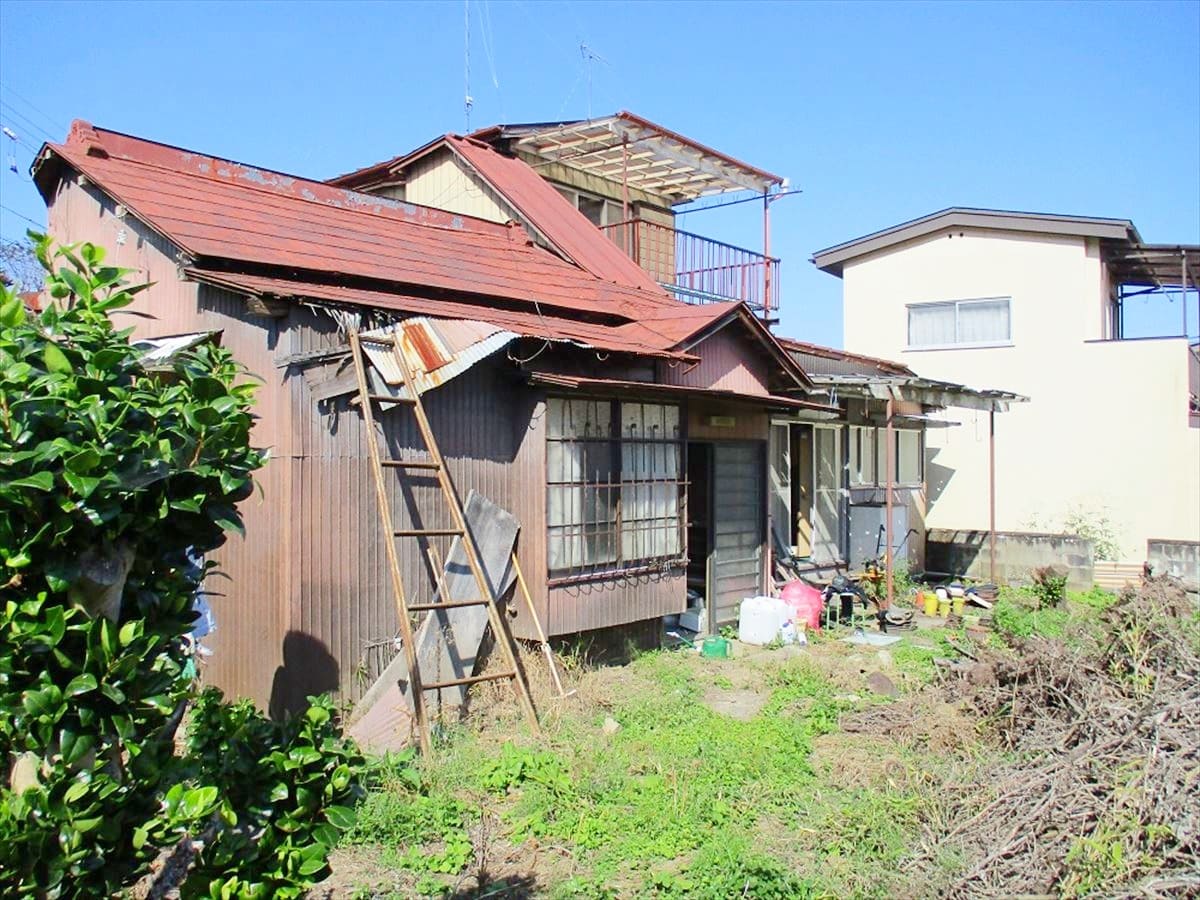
(877, 112)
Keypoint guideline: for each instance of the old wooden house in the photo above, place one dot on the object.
(624, 428)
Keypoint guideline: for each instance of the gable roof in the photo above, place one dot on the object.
(831, 259)
(266, 233)
(551, 215)
(215, 209)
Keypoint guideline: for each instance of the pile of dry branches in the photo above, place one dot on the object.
(1100, 788)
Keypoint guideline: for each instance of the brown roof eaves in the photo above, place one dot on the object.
(885, 366)
(832, 259)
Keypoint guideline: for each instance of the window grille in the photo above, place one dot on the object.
(615, 485)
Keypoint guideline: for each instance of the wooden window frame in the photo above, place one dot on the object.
(613, 530)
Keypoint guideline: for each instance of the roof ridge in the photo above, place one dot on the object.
(496, 230)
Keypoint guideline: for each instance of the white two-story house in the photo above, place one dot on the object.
(1038, 303)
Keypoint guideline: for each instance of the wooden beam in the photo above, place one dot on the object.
(267, 306)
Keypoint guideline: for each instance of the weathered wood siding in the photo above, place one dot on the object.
(440, 180)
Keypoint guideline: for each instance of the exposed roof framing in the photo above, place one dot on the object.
(925, 391)
(660, 161)
(1157, 265)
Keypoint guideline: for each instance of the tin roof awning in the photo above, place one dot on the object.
(653, 158)
(1153, 265)
(652, 388)
(919, 390)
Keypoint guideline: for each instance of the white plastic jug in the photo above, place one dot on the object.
(760, 619)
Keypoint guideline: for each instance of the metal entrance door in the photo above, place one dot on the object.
(827, 494)
(738, 499)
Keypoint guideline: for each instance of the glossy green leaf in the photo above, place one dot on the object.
(55, 360)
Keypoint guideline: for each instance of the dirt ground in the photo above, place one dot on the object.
(1059, 760)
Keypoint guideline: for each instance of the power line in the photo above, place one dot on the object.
(45, 116)
(13, 111)
(8, 209)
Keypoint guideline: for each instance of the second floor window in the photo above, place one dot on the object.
(960, 323)
(600, 212)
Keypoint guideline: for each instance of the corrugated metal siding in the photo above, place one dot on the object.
(728, 362)
(823, 365)
(600, 604)
(247, 593)
(343, 598)
(440, 181)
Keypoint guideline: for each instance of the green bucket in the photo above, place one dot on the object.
(715, 648)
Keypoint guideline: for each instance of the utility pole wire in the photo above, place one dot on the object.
(467, 100)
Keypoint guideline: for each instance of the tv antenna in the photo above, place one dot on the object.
(589, 55)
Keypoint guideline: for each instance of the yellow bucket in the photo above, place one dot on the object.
(943, 606)
(929, 598)
(960, 603)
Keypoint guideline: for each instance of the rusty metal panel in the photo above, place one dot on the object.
(727, 362)
(618, 601)
(247, 592)
(344, 603)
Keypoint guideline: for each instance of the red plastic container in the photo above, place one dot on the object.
(805, 603)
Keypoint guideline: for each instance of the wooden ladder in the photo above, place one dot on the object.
(435, 464)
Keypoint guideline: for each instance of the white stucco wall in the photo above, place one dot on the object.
(1106, 430)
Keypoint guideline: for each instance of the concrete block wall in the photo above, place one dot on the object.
(1017, 555)
(1180, 559)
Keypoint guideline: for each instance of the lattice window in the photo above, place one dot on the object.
(615, 485)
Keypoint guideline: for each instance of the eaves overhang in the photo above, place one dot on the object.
(832, 259)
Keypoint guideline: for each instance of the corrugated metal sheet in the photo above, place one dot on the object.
(818, 360)
(436, 350)
(248, 591)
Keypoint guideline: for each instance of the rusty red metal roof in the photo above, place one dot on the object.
(527, 324)
(555, 379)
(550, 214)
(221, 210)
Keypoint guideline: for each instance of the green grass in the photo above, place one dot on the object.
(1017, 613)
(669, 804)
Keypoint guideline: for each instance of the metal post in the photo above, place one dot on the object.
(625, 194)
(1183, 287)
(992, 491)
(766, 298)
(889, 455)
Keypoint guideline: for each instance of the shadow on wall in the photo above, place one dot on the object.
(936, 477)
(308, 669)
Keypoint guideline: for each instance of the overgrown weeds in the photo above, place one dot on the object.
(1100, 791)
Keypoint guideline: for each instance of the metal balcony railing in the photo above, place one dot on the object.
(698, 269)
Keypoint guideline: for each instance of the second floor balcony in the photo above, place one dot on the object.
(697, 269)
